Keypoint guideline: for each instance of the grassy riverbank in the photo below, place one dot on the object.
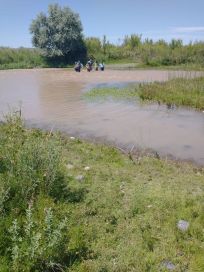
(69, 205)
(179, 92)
(127, 65)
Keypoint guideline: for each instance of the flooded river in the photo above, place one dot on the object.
(52, 98)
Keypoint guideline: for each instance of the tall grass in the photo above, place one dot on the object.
(179, 92)
(20, 58)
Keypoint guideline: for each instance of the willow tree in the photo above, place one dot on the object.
(59, 33)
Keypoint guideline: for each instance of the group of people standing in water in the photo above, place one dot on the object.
(90, 65)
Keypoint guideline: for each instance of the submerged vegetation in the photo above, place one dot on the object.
(178, 91)
(69, 205)
(129, 93)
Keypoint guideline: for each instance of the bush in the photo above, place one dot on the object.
(37, 244)
(33, 183)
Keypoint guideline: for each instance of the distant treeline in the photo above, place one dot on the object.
(131, 49)
(147, 52)
(11, 58)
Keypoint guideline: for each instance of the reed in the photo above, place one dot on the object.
(181, 91)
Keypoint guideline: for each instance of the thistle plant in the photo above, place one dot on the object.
(35, 243)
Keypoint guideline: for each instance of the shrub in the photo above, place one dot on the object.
(37, 244)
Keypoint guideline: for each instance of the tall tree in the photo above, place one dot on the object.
(133, 41)
(59, 33)
(104, 43)
(93, 45)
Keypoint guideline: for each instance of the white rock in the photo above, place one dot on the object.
(87, 168)
(70, 166)
(169, 265)
(79, 177)
(183, 225)
(72, 138)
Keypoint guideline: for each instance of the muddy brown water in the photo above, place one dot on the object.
(52, 98)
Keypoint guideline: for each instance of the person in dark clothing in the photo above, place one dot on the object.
(78, 66)
(89, 66)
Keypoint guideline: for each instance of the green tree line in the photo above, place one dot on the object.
(148, 53)
(20, 58)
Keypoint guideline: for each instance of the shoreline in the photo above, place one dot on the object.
(132, 151)
(92, 122)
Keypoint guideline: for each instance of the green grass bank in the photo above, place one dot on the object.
(178, 92)
(69, 205)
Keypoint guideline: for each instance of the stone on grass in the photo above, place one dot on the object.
(72, 138)
(183, 225)
(70, 166)
(87, 168)
(198, 174)
(168, 265)
(79, 177)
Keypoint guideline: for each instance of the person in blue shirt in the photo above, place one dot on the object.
(102, 67)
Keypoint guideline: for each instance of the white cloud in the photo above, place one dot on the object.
(189, 29)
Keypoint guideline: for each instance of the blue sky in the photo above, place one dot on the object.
(156, 19)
